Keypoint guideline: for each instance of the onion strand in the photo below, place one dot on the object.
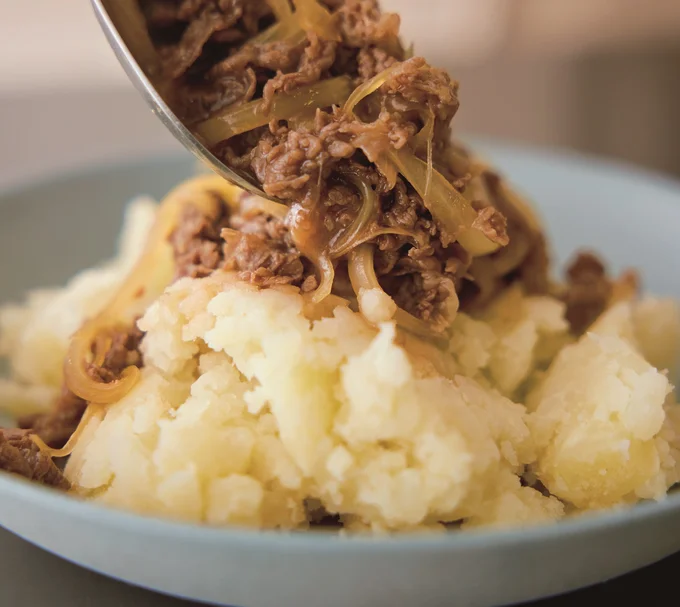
(368, 88)
(284, 106)
(327, 271)
(314, 17)
(129, 20)
(448, 206)
(263, 205)
(90, 413)
(280, 8)
(368, 213)
(288, 29)
(362, 275)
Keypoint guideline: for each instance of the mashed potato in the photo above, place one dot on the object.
(247, 409)
(255, 408)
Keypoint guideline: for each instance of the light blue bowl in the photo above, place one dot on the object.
(50, 230)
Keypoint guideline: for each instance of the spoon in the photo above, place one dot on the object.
(121, 33)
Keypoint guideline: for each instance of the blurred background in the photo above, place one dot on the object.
(600, 76)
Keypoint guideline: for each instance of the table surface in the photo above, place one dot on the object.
(31, 576)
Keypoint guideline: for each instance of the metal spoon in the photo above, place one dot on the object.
(127, 48)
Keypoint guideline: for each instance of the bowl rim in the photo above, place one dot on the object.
(323, 541)
(94, 513)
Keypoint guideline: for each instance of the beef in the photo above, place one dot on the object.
(419, 85)
(193, 36)
(179, 58)
(419, 272)
(588, 291)
(252, 243)
(278, 56)
(163, 13)
(197, 242)
(317, 59)
(194, 23)
(524, 259)
(121, 348)
(371, 61)
(197, 100)
(20, 455)
(362, 24)
(291, 163)
(262, 252)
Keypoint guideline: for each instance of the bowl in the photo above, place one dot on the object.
(50, 230)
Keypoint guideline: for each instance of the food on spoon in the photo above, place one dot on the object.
(382, 349)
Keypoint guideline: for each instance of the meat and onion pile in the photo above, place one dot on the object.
(378, 345)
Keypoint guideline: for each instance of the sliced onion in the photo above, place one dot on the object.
(430, 166)
(373, 233)
(324, 308)
(344, 241)
(280, 8)
(424, 141)
(361, 268)
(447, 205)
(510, 258)
(147, 280)
(426, 134)
(304, 120)
(314, 17)
(368, 88)
(288, 29)
(90, 413)
(79, 380)
(311, 239)
(327, 276)
(265, 206)
(476, 190)
(251, 115)
(130, 23)
(362, 275)
(417, 327)
(522, 207)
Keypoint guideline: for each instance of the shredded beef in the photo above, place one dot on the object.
(524, 259)
(20, 455)
(281, 56)
(193, 36)
(122, 351)
(255, 245)
(590, 291)
(197, 241)
(317, 59)
(371, 61)
(362, 24)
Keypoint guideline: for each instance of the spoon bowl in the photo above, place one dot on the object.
(111, 16)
